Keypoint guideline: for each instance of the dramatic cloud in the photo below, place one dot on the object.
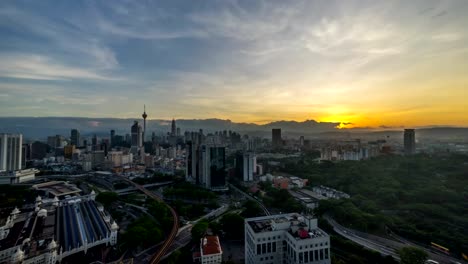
(354, 63)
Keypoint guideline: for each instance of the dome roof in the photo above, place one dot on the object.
(114, 226)
(38, 198)
(52, 244)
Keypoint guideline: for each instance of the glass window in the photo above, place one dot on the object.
(259, 249)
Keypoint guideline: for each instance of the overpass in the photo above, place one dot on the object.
(175, 225)
(133, 188)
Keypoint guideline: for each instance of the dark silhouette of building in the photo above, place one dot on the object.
(112, 138)
(276, 139)
(75, 137)
(173, 128)
(409, 141)
(144, 115)
(137, 134)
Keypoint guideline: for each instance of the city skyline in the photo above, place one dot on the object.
(359, 63)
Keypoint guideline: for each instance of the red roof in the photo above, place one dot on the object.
(210, 245)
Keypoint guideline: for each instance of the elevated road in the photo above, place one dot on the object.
(175, 226)
(262, 206)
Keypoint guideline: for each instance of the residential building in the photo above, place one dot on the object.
(286, 238)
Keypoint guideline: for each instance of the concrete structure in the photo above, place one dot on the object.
(210, 250)
(287, 238)
(10, 152)
(57, 189)
(18, 176)
(245, 166)
(206, 165)
(137, 137)
(52, 230)
(173, 128)
(276, 139)
(409, 141)
(144, 115)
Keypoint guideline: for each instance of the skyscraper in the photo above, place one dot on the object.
(144, 115)
(10, 152)
(409, 141)
(75, 137)
(206, 165)
(173, 128)
(276, 139)
(112, 138)
(137, 137)
(245, 166)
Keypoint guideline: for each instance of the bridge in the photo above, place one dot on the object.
(175, 225)
(133, 188)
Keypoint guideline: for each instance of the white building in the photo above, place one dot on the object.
(10, 152)
(287, 238)
(19, 176)
(210, 250)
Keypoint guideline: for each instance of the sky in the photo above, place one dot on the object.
(362, 63)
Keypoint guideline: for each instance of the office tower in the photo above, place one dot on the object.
(213, 167)
(112, 138)
(409, 141)
(137, 135)
(301, 141)
(10, 152)
(144, 115)
(173, 128)
(75, 137)
(25, 154)
(276, 139)
(94, 142)
(38, 150)
(191, 173)
(286, 238)
(178, 131)
(245, 166)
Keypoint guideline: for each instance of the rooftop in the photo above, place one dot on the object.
(57, 188)
(210, 245)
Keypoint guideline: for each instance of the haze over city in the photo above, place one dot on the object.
(358, 63)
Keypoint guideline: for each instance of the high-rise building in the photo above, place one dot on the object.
(10, 152)
(75, 137)
(206, 165)
(276, 139)
(245, 166)
(173, 128)
(144, 115)
(137, 135)
(213, 167)
(286, 238)
(112, 138)
(178, 132)
(409, 141)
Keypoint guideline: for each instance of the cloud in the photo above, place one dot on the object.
(32, 66)
(447, 37)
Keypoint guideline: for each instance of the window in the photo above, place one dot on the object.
(306, 257)
(263, 248)
(269, 247)
(326, 253)
(311, 255)
(316, 255)
(301, 257)
(274, 246)
(321, 254)
(258, 249)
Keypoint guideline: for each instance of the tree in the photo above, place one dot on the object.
(252, 209)
(107, 198)
(199, 230)
(233, 226)
(412, 255)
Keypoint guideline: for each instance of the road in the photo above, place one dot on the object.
(385, 246)
(262, 206)
(175, 226)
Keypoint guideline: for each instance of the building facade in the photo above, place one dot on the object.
(276, 139)
(286, 238)
(409, 141)
(210, 250)
(75, 137)
(10, 152)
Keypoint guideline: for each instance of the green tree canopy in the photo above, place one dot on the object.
(412, 255)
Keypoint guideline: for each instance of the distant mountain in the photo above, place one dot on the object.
(41, 127)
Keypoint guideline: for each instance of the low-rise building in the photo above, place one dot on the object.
(286, 238)
(210, 250)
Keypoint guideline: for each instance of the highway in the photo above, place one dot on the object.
(175, 226)
(385, 246)
(265, 210)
